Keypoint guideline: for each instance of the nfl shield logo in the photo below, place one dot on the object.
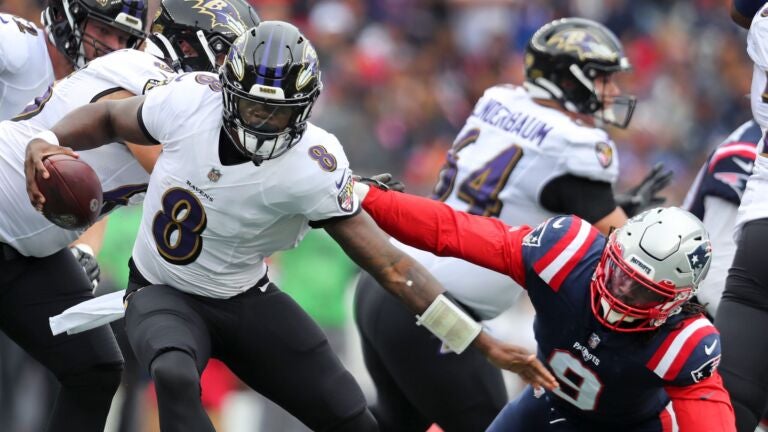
(214, 175)
(594, 341)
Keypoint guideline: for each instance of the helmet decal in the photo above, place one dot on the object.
(222, 14)
(698, 260)
(235, 58)
(310, 67)
(582, 43)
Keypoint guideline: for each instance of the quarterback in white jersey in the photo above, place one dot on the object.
(25, 66)
(243, 174)
(524, 155)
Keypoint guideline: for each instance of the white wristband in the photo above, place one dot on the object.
(85, 248)
(47, 136)
(450, 324)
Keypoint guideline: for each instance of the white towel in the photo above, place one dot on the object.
(89, 314)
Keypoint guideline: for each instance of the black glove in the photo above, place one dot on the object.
(381, 181)
(643, 196)
(88, 262)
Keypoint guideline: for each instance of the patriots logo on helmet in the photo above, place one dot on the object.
(223, 15)
(699, 258)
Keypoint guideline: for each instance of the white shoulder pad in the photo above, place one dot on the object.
(19, 41)
(321, 184)
(585, 152)
(185, 103)
(132, 70)
(757, 39)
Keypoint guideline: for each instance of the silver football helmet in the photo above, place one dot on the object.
(650, 267)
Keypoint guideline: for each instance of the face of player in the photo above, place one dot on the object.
(607, 89)
(263, 117)
(100, 39)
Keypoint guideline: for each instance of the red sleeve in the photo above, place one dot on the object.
(435, 227)
(703, 406)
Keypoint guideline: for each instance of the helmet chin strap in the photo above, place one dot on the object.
(165, 50)
(543, 88)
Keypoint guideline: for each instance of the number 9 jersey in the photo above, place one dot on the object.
(207, 227)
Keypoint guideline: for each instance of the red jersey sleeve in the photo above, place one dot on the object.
(704, 406)
(435, 227)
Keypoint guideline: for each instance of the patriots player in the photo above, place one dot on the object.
(743, 311)
(525, 154)
(40, 278)
(714, 198)
(613, 318)
(244, 174)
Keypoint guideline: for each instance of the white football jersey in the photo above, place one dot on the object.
(753, 203)
(207, 227)
(509, 149)
(123, 180)
(25, 67)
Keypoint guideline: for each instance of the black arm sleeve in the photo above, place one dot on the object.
(591, 200)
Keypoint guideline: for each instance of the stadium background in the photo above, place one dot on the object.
(401, 76)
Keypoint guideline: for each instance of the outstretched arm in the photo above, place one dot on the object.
(703, 406)
(87, 127)
(435, 227)
(417, 288)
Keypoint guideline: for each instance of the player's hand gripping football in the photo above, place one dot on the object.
(516, 359)
(643, 196)
(37, 150)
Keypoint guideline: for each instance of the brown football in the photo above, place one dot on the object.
(72, 193)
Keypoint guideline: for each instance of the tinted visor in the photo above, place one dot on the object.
(264, 117)
(629, 290)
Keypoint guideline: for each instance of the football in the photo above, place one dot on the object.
(73, 195)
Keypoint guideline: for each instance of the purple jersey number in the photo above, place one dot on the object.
(481, 188)
(177, 228)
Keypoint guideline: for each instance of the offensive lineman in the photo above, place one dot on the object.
(525, 154)
(243, 174)
(40, 278)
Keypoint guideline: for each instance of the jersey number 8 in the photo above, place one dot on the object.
(177, 228)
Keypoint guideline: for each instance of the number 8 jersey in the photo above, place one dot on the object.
(207, 227)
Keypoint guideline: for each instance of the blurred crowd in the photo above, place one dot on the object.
(401, 76)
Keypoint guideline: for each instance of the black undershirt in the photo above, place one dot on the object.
(591, 200)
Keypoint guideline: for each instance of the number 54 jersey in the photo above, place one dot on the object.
(508, 151)
(207, 227)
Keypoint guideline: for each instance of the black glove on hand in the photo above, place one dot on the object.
(381, 181)
(643, 196)
(88, 262)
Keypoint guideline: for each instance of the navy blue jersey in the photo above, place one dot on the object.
(727, 169)
(604, 376)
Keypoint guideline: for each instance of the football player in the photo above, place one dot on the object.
(743, 311)
(40, 277)
(613, 319)
(74, 33)
(244, 174)
(525, 154)
(714, 198)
